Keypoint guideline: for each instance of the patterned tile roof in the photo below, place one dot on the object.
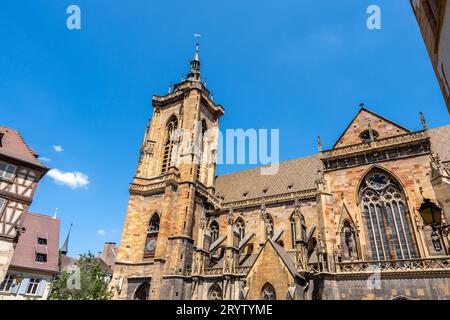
(298, 174)
(38, 226)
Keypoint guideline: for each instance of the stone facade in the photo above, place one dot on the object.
(342, 224)
(433, 17)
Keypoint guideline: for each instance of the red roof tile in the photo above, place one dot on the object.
(13, 145)
(38, 225)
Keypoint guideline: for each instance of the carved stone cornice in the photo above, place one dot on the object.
(284, 197)
(156, 185)
(375, 144)
(401, 146)
(200, 188)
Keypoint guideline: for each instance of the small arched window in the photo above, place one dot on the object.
(152, 236)
(368, 135)
(240, 227)
(172, 126)
(269, 226)
(268, 292)
(215, 292)
(214, 229)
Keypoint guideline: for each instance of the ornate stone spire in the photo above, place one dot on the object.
(319, 144)
(194, 71)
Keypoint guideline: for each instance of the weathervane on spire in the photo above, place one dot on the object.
(194, 72)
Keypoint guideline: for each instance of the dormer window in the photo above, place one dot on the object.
(245, 194)
(368, 136)
(7, 171)
(289, 187)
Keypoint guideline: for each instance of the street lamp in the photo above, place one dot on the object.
(430, 213)
(432, 216)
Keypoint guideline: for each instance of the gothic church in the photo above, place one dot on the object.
(341, 224)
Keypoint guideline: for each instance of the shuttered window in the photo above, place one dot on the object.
(33, 286)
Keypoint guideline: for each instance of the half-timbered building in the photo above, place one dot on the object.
(20, 173)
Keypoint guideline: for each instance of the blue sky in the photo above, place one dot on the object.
(300, 66)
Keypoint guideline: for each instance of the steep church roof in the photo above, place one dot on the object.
(298, 174)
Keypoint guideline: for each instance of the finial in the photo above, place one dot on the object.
(194, 70)
(362, 105)
(424, 123)
(319, 144)
(170, 88)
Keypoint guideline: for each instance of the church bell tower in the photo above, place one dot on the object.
(173, 182)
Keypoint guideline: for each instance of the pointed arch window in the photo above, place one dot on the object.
(214, 229)
(200, 148)
(268, 292)
(215, 292)
(240, 228)
(293, 232)
(386, 216)
(152, 236)
(172, 126)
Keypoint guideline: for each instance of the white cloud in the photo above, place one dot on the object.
(45, 159)
(58, 148)
(72, 179)
(327, 38)
(101, 232)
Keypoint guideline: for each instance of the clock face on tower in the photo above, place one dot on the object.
(151, 245)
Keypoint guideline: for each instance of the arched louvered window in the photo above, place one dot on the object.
(214, 229)
(172, 126)
(386, 216)
(269, 226)
(215, 292)
(152, 236)
(240, 227)
(268, 292)
(303, 226)
(293, 232)
(200, 148)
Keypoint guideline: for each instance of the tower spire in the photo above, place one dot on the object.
(65, 247)
(194, 71)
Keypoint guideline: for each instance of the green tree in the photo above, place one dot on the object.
(87, 284)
